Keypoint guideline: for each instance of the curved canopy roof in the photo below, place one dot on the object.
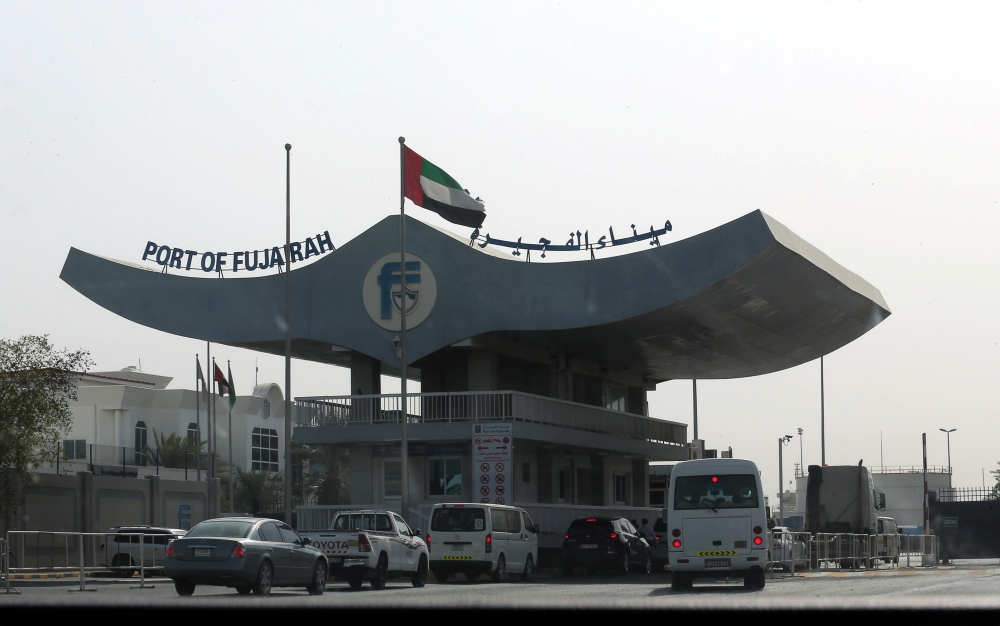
(749, 297)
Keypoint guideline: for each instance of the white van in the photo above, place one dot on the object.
(475, 539)
(717, 522)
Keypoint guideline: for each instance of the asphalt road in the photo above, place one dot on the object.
(967, 584)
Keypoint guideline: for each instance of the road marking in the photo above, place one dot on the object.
(977, 572)
(837, 574)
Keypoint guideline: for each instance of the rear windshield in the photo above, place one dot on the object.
(660, 526)
(718, 491)
(462, 520)
(235, 530)
(599, 525)
(362, 521)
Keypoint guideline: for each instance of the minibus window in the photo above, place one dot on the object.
(464, 520)
(718, 491)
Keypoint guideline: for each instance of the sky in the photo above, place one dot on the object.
(869, 129)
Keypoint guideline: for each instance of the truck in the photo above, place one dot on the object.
(843, 500)
(372, 545)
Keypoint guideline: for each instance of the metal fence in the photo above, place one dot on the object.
(968, 494)
(794, 551)
(484, 406)
(44, 552)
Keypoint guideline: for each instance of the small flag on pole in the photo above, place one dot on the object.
(430, 187)
(232, 388)
(201, 376)
(220, 380)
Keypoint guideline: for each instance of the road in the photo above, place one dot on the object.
(967, 584)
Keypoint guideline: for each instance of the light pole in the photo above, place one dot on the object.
(802, 466)
(782, 442)
(948, 432)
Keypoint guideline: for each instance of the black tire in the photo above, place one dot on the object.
(183, 587)
(419, 578)
(317, 586)
(380, 575)
(356, 580)
(529, 569)
(755, 579)
(441, 577)
(623, 567)
(681, 582)
(501, 570)
(265, 577)
(243, 589)
(568, 570)
(119, 561)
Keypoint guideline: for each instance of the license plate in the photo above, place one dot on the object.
(336, 560)
(718, 562)
(203, 552)
(589, 545)
(456, 547)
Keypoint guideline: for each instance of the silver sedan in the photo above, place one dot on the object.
(246, 553)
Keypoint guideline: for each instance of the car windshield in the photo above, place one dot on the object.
(464, 520)
(716, 491)
(234, 530)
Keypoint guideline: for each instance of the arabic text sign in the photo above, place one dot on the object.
(492, 463)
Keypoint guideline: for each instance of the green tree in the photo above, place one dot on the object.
(256, 490)
(172, 451)
(37, 383)
(326, 478)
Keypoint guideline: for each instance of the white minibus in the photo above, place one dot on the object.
(717, 523)
(474, 539)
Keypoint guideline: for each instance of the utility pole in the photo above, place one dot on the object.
(288, 334)
(782, 442)
(822, 415)
(802, 465)
(948, 432)
(694, 391)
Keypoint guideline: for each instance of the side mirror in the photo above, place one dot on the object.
(415, 532)
(305, 541)
(535, 529)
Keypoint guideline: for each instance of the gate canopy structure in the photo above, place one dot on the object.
(746, 298)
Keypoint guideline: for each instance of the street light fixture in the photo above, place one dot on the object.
(782, 442)
(948, 432)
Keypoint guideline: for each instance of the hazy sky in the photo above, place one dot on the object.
(871, 130)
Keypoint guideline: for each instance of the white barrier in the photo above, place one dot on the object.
(44, 552)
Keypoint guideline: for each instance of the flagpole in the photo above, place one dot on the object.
(232, 395)
(288, 334)
(404, 477)
(197, 413)
(215, 439)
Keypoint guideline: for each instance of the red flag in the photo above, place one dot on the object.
(220, 379)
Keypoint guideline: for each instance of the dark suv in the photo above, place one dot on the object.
(602, 543)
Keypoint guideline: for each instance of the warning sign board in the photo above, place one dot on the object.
(493, 461)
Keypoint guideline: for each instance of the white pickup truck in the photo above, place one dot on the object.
(377, 545)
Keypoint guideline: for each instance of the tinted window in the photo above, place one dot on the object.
(234, 530)
(287, 534)
(513, 522)
(269, 532)
(660, 526)
(716, 491)
(127, 538)
(592, 524)
(527, 520)
(462, 520)
(382, 523)
(499, 519)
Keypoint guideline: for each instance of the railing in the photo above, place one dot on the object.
(891, 469)
(792, 551)
(967, 494)
(484, 406)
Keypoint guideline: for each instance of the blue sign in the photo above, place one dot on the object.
(247, 260)
(388, 276)
(184, 517)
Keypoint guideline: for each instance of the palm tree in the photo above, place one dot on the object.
(174, 451)
(255, 491)
(326, 479)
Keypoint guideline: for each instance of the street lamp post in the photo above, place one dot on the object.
(948, 432)
(802, 466)
(782, 442)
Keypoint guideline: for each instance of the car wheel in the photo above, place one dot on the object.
(380, 575)
(183, 587)
(318, 584)
(501, 569)
(419, 578)
(681, 582)
(624, 564)
(568, 570)
(265, 576)
(441, 577)
(648, 565)
(119, 561)
(529, 568)
(243, 589)
(356, 580)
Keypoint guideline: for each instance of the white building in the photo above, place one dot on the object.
(117, 413)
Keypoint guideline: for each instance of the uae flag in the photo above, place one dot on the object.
(430, 187)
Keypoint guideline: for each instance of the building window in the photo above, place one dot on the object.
(264, 449)
(614, 398)
(193, 432)
(526, 472)
(392, 479)
(74, 449)
(140, 443)
(445, 477)
(657, 498)
(621, 488)
(564, 485)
